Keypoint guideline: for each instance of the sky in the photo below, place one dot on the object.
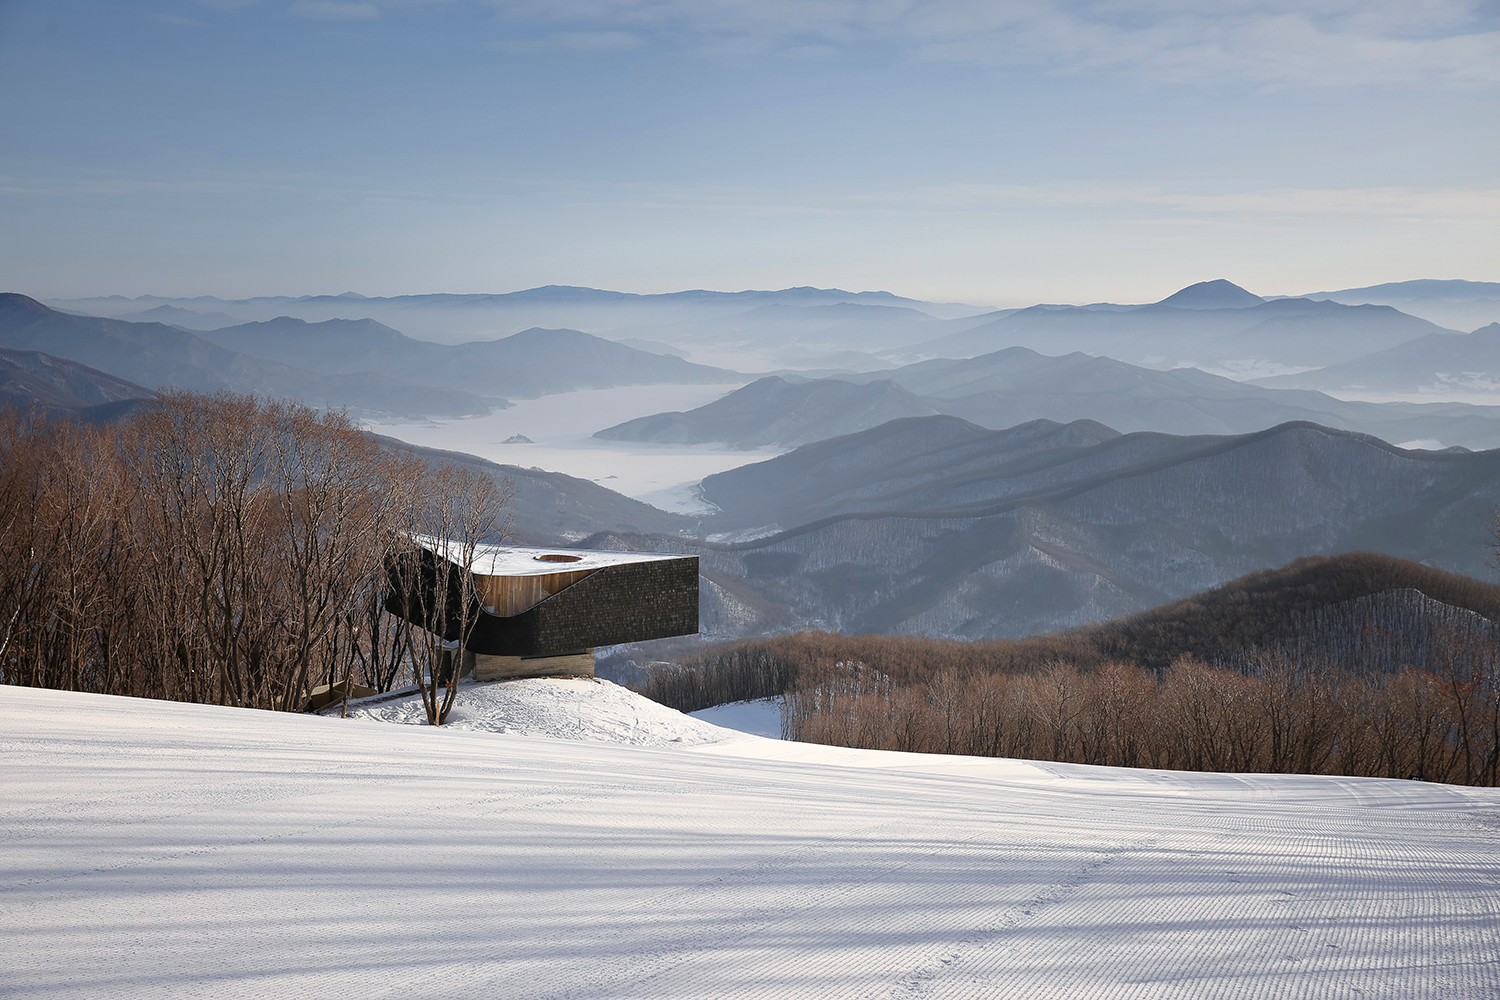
(998, 152)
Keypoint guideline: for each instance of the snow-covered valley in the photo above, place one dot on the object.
(160, 849)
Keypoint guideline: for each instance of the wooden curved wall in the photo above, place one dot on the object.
(511, 595)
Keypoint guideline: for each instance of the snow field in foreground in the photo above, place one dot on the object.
(157, 849)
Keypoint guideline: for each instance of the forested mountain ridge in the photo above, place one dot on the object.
(1289, 609)
(1081, 533)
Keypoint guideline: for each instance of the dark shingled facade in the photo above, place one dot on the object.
(625, 602)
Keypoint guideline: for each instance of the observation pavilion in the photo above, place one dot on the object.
(536, 612)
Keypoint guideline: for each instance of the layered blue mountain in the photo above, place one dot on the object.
(158, 356)
(1461, 305)
(1209, 323)
(531, 363)
(1439, 363)
(1017, 385)
(188, 319)
(788, 313)
(773, 411)
(360, 364)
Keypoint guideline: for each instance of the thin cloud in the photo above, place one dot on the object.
(1273, 43)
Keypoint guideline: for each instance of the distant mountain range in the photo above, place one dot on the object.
(1462, 305)
(158, 356)
(938, 527)
(358, 364)
(1013, 386)
(188, 319)
(531, 363)
(1212, 323)
(1439, 363)
(804, 320)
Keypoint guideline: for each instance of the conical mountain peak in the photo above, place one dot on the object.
(1216, 294)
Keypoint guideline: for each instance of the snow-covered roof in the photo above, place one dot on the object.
(521, 560)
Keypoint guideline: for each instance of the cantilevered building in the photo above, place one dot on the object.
(535, 612)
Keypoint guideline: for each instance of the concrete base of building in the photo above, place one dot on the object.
(496, 668)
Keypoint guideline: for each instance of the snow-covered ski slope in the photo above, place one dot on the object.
(166, 850)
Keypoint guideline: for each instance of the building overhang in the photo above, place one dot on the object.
(547, 602)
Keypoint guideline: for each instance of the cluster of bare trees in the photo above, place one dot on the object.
(219, 549)
(1415, 723)
(1056, 699)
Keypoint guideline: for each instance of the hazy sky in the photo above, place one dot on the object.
(1000, 152)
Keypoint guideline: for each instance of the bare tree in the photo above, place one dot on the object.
(432, 566)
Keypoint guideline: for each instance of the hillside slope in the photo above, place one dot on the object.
(1071, 534)
(33, 381)
(1302, 606)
